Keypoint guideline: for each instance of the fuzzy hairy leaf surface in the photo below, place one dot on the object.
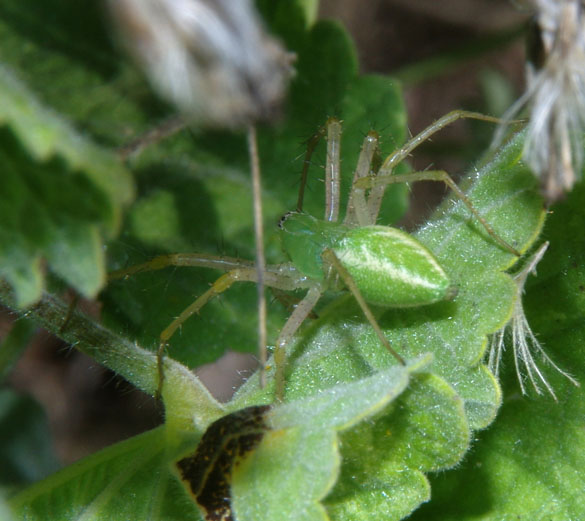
(296, 463)
(430, 428)
(529, 464)
(379, 429)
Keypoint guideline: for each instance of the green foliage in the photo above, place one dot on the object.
(195, 197)
(357, 435)
(48, 170)
(136, 479)
(24, 426)
(530, 463)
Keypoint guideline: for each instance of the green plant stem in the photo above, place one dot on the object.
(187, 401)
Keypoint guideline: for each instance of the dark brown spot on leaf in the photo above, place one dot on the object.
(224, 444)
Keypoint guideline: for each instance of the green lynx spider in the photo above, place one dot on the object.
(326, 254)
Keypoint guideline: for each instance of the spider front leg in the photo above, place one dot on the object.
(366, 177)
(331, 258)
(302, 311)
(385, 178)
(280, 276)
(332, 132)
(222, 284)
(194, 260)
(360, 211)
(403, 152)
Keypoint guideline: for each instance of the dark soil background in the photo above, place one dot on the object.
(88, 407)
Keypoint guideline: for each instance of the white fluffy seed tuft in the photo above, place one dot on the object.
(555, 96)
(524, 342)
(210, 58)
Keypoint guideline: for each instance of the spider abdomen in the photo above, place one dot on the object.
(391, 268)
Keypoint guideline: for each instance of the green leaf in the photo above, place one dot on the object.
(505, 194)
(48, 169)
(130, 480)
(430, 430)
(296, 465)
(344, 405)
(14, 343)
(26, 451)
(530, 463)
(193, 197)
(89, 82)
(307, 463)
(383, 463)
(135, 479)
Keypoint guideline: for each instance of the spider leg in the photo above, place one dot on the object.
(332, 259)
(298, 316)
(222, 284)
(194, 260)
(358, 209)
(405, 150)
(333, 170)
(377, 189)
(385, 178)
(280, 276)
(312, 143)
(332, 131)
